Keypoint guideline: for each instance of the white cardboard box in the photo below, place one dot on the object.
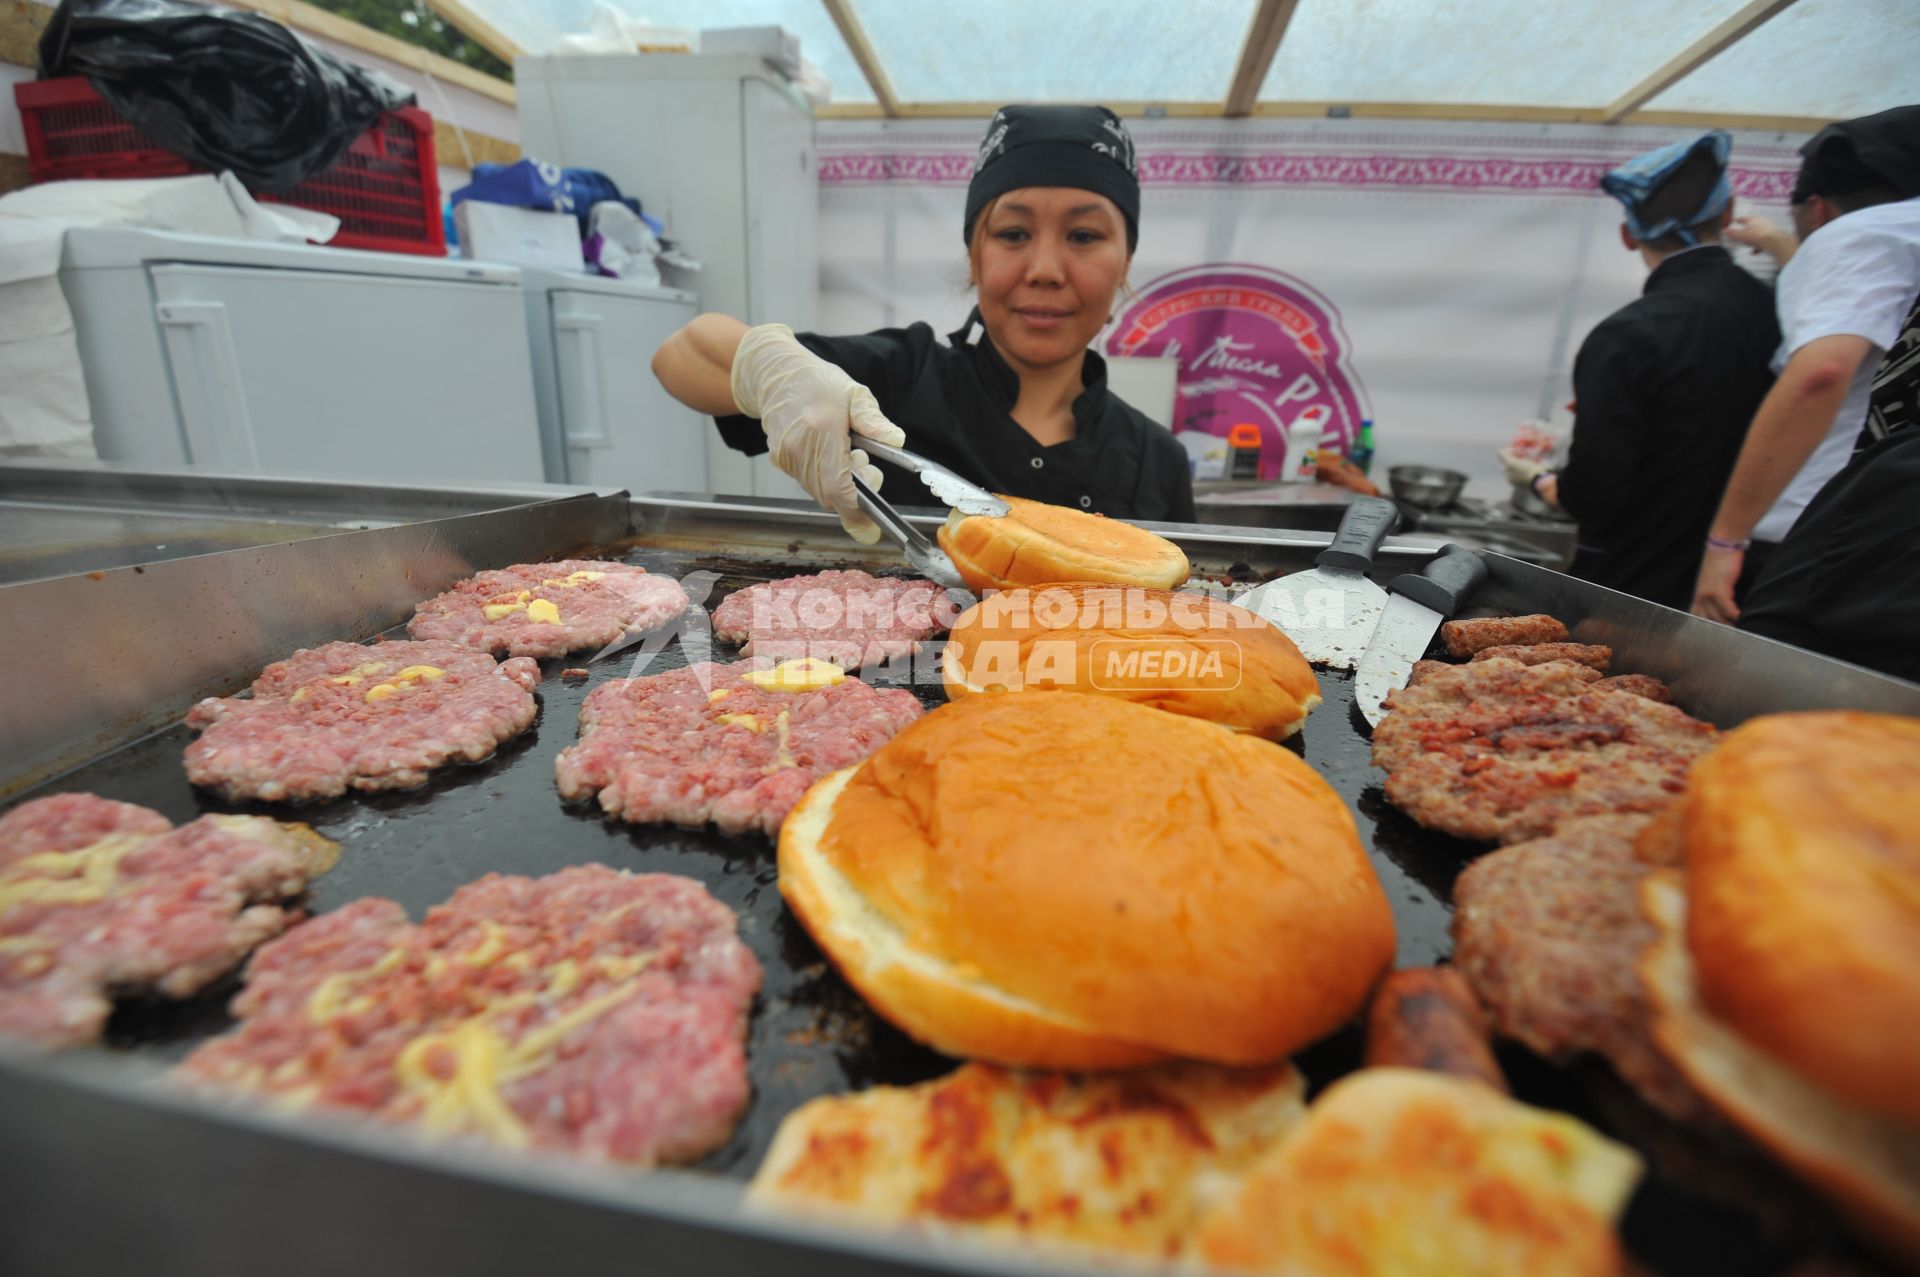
(518, 236)
(775, 45)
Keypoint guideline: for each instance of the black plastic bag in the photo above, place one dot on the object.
(226, 89)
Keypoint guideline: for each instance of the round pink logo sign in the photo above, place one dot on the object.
(1255, 346)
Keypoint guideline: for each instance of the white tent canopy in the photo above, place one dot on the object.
(1786, 64)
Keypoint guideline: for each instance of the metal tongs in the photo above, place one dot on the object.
(950, 489)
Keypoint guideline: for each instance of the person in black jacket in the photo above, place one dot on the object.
(1842, 583)
(1015, 401)
(1665, 386)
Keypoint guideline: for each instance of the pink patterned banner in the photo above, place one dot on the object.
(1372, 171)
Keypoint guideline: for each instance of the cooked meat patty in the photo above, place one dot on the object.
(591, 1011)
(1549, 933)
(1464, 638)
(366, 717)
(1593, 655)
(550, 609)
(849, 618)
(1502, 751)
(99, 898)
(733, 744)
(1423, 668)
(1639, 685)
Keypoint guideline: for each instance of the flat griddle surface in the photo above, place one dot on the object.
(811, 1035)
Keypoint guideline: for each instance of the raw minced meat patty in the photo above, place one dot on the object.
(1464, 638)
(849, 618)
(99, 898)
(550, 609)
(350, 715)
(1502, 751)
(591, 1011)
(1549, 934)
(706, 744)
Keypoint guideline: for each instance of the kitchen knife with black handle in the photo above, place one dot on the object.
(1415, 608)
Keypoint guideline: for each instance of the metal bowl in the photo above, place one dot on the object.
(1425, 487)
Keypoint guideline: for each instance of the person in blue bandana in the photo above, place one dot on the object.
(1665, 386)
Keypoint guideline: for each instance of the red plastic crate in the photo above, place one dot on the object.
(385, 190)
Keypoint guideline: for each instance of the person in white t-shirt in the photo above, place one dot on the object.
(1842, 299)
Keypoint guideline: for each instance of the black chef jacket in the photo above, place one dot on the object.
(1664, 390)
(1843, 581)
(955, 403)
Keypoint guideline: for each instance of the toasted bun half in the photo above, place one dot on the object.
(1123, 1162)
(1057, 880)
(1035, 543)
(1185, 653)
(1417, 1174)
(1803, 888)
(1869, 1167)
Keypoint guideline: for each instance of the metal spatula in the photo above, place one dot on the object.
(1329, 610)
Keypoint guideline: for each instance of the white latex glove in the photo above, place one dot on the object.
(808, 407)
(1519, 469)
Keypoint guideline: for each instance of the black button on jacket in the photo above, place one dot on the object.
(955, 403)
(1664, 390)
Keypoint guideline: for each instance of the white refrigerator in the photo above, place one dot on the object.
(721, 148)
(289, 359)
(605, 421)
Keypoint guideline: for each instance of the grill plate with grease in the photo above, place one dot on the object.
(810, 1035)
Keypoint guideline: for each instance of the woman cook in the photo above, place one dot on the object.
(1015, 401)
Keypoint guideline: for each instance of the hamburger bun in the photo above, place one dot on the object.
(1078, 882)
(1867, 1166)
(1184, 653)
(1803, 890)
(1035, 543)
(1416, 1174)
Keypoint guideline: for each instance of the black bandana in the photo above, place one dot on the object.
(1085, 147)
(1855, 155)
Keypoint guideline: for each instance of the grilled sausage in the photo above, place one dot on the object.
(1464, 638)
(1427, 1018)
(1592, 655)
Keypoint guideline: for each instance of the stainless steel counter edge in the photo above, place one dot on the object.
(97, 484)
(103, 658)
(324, 1194)
(769, 521)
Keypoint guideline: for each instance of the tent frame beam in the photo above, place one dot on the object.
(848, 22)
(331, 26)
(1472, 112)
(1693, 57)
(477, 29)
(1264, 34)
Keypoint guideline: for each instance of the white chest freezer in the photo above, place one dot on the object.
(605, 421)
(291, 359)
